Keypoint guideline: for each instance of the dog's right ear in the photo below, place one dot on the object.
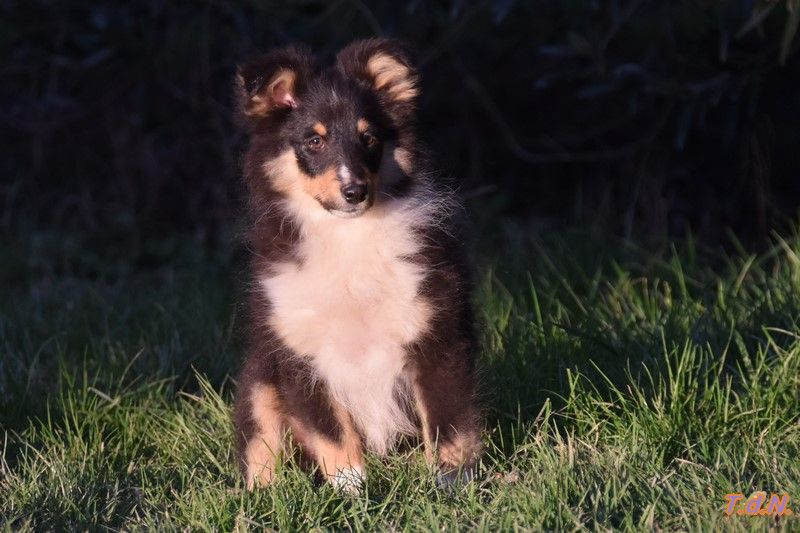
(384, 67)
(275, 81)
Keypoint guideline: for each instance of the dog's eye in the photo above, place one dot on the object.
(315, 143)
(369, 140)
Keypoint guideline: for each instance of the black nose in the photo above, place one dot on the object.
(354, 193)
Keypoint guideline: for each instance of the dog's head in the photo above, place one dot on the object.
(335, 135)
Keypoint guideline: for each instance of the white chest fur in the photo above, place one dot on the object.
(350, 308)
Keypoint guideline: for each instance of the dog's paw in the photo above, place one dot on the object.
(350, 480)
(453, 478)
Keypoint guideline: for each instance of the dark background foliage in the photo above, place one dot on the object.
(640, 117)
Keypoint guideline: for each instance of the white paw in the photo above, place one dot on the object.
(349, 479)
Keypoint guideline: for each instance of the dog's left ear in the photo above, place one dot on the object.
(384, 67)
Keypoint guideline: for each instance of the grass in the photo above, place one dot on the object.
(625, 388)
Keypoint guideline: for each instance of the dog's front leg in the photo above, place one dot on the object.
(325, 431)
(260, 430)
(339, 456)
(444, 394)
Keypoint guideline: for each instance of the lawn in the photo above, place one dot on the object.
(625, 387)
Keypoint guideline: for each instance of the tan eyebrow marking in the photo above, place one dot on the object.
(362, 125)
(320, 128)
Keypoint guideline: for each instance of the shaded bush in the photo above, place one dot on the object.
(639, 116)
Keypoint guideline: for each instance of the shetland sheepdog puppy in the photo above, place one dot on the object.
(360, 328)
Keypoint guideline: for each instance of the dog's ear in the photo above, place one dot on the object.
(384, 67)
(273, 82)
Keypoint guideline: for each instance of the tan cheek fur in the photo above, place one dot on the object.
(324, 187)
(287, 178)
(395, 165)
(303, 191)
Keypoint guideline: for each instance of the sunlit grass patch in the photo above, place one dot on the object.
(624, 389)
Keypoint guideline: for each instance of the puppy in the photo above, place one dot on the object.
(360, 321)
